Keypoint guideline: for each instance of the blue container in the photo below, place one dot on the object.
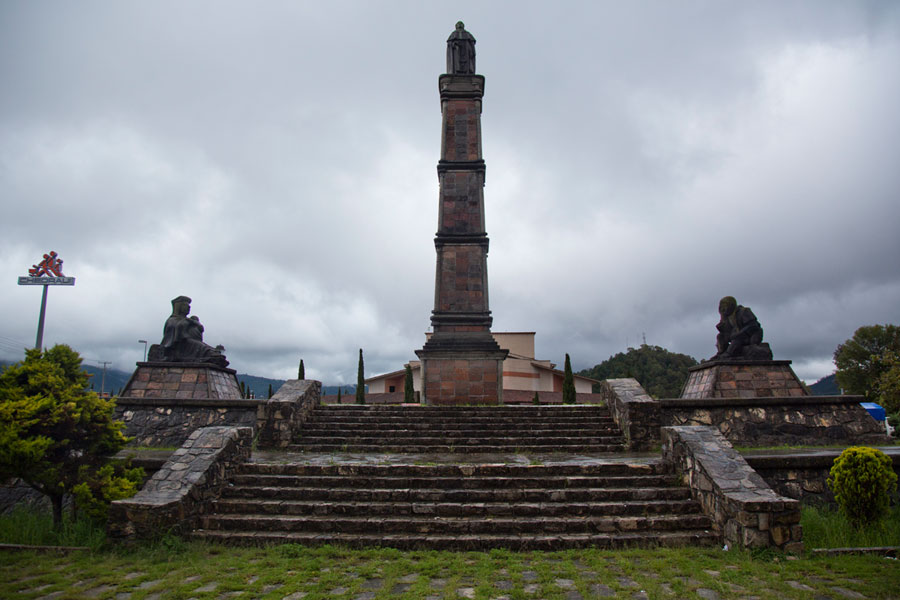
(875, 410)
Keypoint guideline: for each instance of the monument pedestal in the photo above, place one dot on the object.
(460, 369)
(743, 379)
(182, 381)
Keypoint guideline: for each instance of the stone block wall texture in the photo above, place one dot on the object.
(744, 508)
(176, 495)
(163, 403)
(182, 382)
(803, 475)
(462, 269)
(795, 420)
(285, 412)
(462, 204)
(634, 411)
(461, 380)
(168, 422)
(734, 379)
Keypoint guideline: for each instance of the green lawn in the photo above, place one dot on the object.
(188, 570)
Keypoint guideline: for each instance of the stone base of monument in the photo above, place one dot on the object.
(743, 379)
(164, 402)
(454, 378)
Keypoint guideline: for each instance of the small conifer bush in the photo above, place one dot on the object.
(863, 482)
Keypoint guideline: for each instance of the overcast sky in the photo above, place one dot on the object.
(275, 161)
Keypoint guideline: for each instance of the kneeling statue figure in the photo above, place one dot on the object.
(740, 334)
(183, 339)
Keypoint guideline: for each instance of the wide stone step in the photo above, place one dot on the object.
(595, 469)
(584, 448)
(431, 418)
(455, 429)
(466, 483)
(459, 495)
(428, 524)
(233, 506)
(582, 409)
(467, 542)
(339, 438)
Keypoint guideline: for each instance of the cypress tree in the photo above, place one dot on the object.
(568, 389)
(270, 390)
(536, 399)
(360, 381)
(243, 390)
(301, 372)
(409, 394)
(339, 394)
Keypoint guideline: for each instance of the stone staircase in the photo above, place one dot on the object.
(467, 506)
(460, 429)
(525, 478)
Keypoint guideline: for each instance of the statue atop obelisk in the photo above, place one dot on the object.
(461, 362)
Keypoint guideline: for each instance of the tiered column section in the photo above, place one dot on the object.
(461, 362)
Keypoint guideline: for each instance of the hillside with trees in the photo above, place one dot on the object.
(660, 372)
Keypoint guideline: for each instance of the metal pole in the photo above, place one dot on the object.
(103, 379)
(144, 342)
(39, 342)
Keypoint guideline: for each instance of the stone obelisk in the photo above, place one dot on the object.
(461, 362)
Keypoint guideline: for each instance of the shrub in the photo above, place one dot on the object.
(863, 481)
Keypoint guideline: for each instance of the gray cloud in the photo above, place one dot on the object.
(276, 163)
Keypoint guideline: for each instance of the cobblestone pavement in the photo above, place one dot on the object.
(543, 579)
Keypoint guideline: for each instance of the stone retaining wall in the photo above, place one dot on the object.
(193, 476)
(169, 421)
(283, 414)
(763, 421)
(802, 475)
(634, 411)
(746, 511)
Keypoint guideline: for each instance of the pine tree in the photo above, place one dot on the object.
(270, 390)
(409, 394)
(568, 390)
(339, 394)
(360, 381)
(55, 434)
(243, 390)
(301, 372)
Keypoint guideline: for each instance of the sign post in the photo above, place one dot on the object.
(47, 272)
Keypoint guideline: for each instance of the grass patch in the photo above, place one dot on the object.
(202, 571)
(827, 528)
(32, 527)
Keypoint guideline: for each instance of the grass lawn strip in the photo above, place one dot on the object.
(207, 571)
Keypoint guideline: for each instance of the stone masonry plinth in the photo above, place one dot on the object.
(743, 379)
(182, 381)
(163, 402)
(461, 361)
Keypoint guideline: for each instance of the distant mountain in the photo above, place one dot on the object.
(116, 380)
(826, 386)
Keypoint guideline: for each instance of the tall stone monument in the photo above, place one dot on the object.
(461, 362)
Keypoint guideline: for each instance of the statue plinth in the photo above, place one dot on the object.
(734, 378)
(182, 381)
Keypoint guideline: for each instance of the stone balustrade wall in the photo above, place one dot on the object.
(193, 476)
(746, 511)
(763, 421)
(284, 413)
(634, 411)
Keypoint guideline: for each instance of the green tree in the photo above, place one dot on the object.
(568, 387)
(862, 359)
(661, 373)
(243, 389)
(54, 432)
(339, 395)
(360, 381)
(887, 386)
(409, 393)
(270, 391)
(301, 372)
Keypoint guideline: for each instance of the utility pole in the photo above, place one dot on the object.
(103, 379)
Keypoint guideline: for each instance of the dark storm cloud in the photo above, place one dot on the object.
(276, 163)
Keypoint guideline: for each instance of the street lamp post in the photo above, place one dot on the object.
(144, 342)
